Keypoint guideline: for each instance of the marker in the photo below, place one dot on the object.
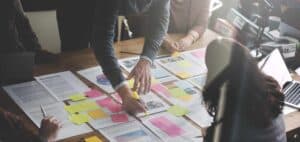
(43, 111)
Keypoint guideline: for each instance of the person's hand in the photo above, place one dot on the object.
(142, 76)
(49, 129)
(170, 46)
(184, 43)
(130, 104)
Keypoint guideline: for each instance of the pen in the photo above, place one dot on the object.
(43, 111)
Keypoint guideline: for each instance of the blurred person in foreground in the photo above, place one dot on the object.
(250, 108)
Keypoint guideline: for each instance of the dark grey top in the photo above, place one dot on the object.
(273, 133)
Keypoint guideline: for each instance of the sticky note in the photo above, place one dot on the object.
(119, 118)
(88, 105)
(135, 95)
(167, 126)
(114, 107)
(178, 110)
(160, 89)
(104, 102)
(92, 139)
(71, 109)
(77, 97)
(97, 114)
(184, 64)
(79, 119)
(186, 98)
(93, 93)
(178, 92)
(131, 83)
(183, 75)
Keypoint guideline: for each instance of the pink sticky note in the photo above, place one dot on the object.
(104, 102)
(93, 93)
(114, 107)
(167, 126)
(119, 118)
(160, 89)
(200, 54)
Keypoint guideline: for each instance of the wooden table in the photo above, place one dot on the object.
(85, 58)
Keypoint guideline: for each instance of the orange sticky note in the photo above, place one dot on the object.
(186, 98)
(92, 139)
(184, 75)
(97, 114)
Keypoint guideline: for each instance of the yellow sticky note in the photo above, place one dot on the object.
(77, 97)
(178, 92)
(72, 109)
(92, 139)
(154, 81)
(178, 110)
(97, 114)
(135, 95)
(131, 83)
(88, 105)
(79, 119)
(183, 75)
(184, 64)
(175, 54)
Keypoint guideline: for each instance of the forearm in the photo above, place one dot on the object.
(159, 17)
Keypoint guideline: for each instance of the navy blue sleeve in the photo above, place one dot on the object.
(106, 14)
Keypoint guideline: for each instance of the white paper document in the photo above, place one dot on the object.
(129, 132)
(157, 71)
(170, 128)
(96, 76)
(57, 110)
(198, 81)
(29, 95)
(182, 67)
(152, 102)
(62, 85)
(274, 66)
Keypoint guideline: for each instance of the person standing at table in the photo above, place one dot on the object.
(106, 14)
(189, 17)
(249, 107)
(14, 129)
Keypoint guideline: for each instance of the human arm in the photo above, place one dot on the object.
(106, 13)
(200, 15)
(158, 20)
(14, 128)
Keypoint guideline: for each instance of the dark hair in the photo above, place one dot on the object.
(251, 94)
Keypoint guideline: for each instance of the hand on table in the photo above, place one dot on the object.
(130, 104)
(142, 76)
(49, 129)
(184, 43)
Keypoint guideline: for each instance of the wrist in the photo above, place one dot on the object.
(124, 91)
